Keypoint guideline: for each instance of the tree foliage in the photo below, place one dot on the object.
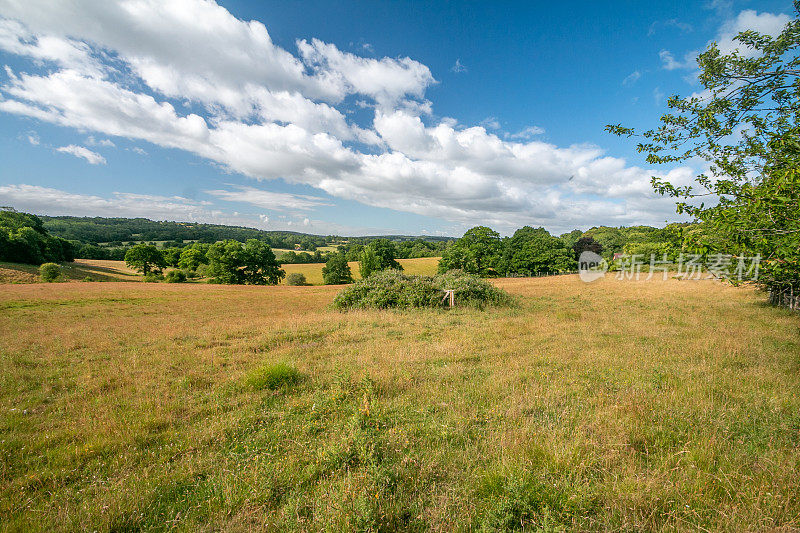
(478, 252)
(145, 258)
(746, 125)
(534, 250)
(24, 239)
(336, 271)
(368, 262)
(251, 263)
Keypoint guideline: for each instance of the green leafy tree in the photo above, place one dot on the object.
(586, 244)
(145, 258)
(336, 271)
(254, 263)
(192, 258)
(369, 262)
(478, 252)
(534, 250)
(172, 256)
(745, 124)
(386, 253)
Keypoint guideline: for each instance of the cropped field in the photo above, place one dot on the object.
(615, 405)
(424, 266)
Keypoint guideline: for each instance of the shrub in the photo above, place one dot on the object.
(296, 278)
(153, 277)
(392, 289)
(175, 276)
(49, 272)
(273, 377)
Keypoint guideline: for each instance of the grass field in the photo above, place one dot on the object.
(79, 270)
(102, 270)
(425, 266)
(614, 405)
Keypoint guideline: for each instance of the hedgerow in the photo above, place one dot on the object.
(392, 289)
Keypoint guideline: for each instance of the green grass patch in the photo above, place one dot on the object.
(273, 377)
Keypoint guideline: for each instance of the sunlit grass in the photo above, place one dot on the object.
(613, 405)
(424, 266)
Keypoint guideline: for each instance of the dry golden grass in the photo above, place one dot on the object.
(614, 405)
(424, 266)
(79, 270)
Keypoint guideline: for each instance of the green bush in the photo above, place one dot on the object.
(153, 277)
(273, 377)
(296, 278)
(175, 276)
(392, 289)
(49, 272)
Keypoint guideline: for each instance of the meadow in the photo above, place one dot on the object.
(614, 405)
(423, 266)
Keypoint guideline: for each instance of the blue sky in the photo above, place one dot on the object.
(348, 117)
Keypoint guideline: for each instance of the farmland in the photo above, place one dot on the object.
(613, 405)
(424, 266)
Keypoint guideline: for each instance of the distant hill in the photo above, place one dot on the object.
(108, 230)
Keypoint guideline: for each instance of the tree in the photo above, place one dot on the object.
(145, 258)
(746, 125)
(586, 244)
(386, 253)
(478, 252)
(253, 263)
(534, 250)
(192, 258)
(296, 279)
(172, 256)
(369, 262)
(336, 271)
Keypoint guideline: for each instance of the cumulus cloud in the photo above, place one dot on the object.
(93, 158)
(268, 113)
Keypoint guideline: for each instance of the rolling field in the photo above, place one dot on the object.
(424, 266)
(79, 270)
(614, 405)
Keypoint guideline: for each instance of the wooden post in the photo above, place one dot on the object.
(451, 295)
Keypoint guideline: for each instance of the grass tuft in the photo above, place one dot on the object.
(273, 377)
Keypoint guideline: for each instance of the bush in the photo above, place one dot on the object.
(296, 278)
(392, 289)
(153, 277)
(49, 272)
(175, 276)
(273, 377)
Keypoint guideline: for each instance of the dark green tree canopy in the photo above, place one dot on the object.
(252, 263)
(534, 250)
(586, 244)
(478, 252)
(336, 271)
(145, 258)
(386, 253)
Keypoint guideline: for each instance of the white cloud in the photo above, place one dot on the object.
(264, 112)
(632, 78)
(107, 143)
(527, 133)
(458, 67)
(767, 23)
(269, 200)
(84, 153)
